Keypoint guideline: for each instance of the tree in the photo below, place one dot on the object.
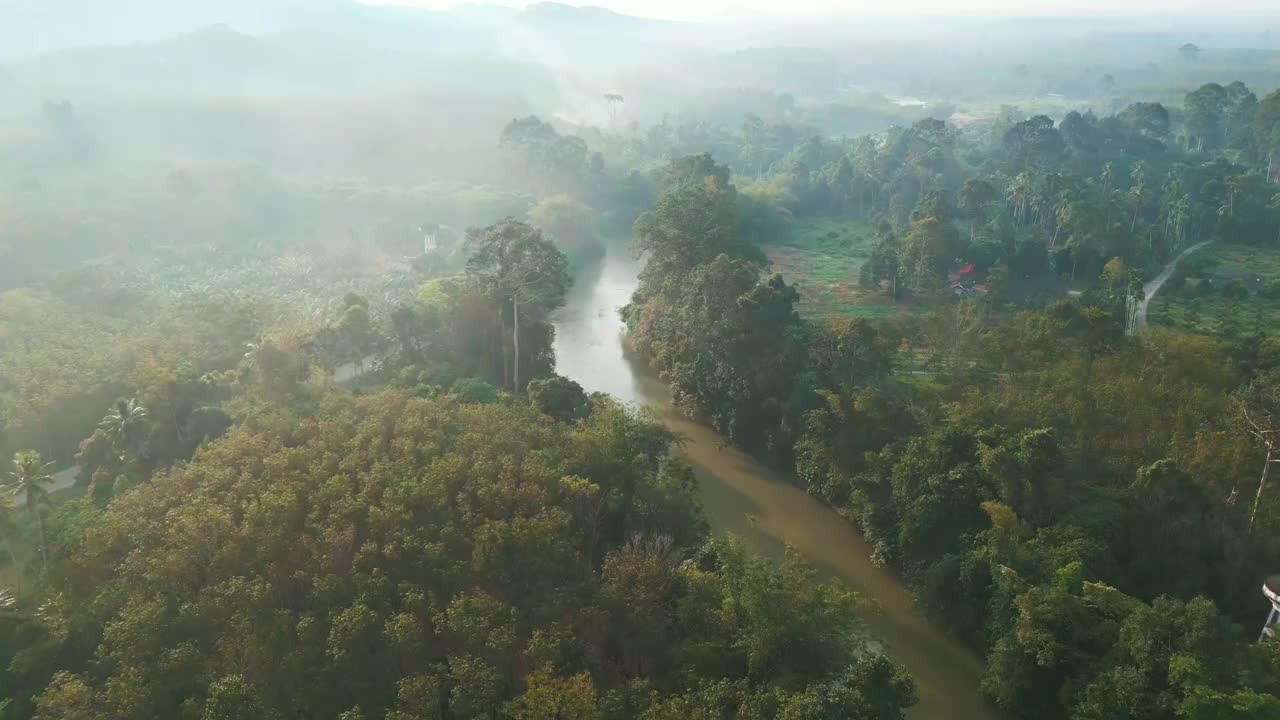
(1266, 130)
(560, 398)
(1146, 121)
(693, 170)
(571, 223)
(8, 525)
(1115, 273)
(28, 480)
(873, 689)
(928, 250)
(695, 220)
(355, 333)
(1189, 52)
(553, 698)
(976, 195)
(1081, 134)
(614, 100)
(1033, 142)
(519, 268)
(122, 427)
(561, 159)
(1204, 108)
(1240, 111)
(1260, 409)
(884, 264)
(233, 698)
(68, 697)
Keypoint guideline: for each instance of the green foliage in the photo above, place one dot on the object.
(1064, 497)
(399, 603)
(516, 268)
(724, 337)
(572, 224)
(473, 390)
(560, 398)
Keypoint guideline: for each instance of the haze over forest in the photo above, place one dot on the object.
(657, 361)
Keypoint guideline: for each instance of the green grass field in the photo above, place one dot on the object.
(822, 258)
(1202, 310)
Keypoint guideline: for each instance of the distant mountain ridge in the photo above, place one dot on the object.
(563, 15)
(29, 27)
(32, 27)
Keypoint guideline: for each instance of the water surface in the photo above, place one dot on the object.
(745, 497)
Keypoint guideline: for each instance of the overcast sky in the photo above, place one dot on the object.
(701, 9)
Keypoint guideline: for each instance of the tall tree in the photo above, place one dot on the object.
(571, 223)
(29, 480)
(695, 220)
(976, 195)
(1266, 130)
(123, 427)
(928, 250)
(520, 269)
(614, 100)
(1260, 409)
(1204, 108)
(884, 264)
(1033, 142)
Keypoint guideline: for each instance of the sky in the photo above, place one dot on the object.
(708, 9)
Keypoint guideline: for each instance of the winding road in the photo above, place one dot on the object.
(1151, 288)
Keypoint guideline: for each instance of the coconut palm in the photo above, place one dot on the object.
(28, 480)
(1018, 196)
(122, 426)
(8, 525)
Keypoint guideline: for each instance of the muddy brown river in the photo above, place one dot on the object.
(744, 497)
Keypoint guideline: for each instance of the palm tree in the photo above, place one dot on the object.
(614, 99)
(8, 526)
(122, 424)
(1018, 195)
(28, 479)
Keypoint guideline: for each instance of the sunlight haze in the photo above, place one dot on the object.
(639, 360)
(1151, 10)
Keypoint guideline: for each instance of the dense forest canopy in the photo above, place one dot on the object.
(283, 433)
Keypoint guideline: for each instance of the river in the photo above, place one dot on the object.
(745, 497)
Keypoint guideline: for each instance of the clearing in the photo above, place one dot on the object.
(822, 258)
(1225, 289)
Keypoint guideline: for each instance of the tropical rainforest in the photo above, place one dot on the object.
(289, 429)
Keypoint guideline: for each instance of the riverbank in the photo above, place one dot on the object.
(744, 497)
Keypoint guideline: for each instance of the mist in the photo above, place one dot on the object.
(443, 361)
(99, 99)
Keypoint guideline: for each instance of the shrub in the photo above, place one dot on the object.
(1235, 289)
(1271, 287)
(473, 391)
(560, 398)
